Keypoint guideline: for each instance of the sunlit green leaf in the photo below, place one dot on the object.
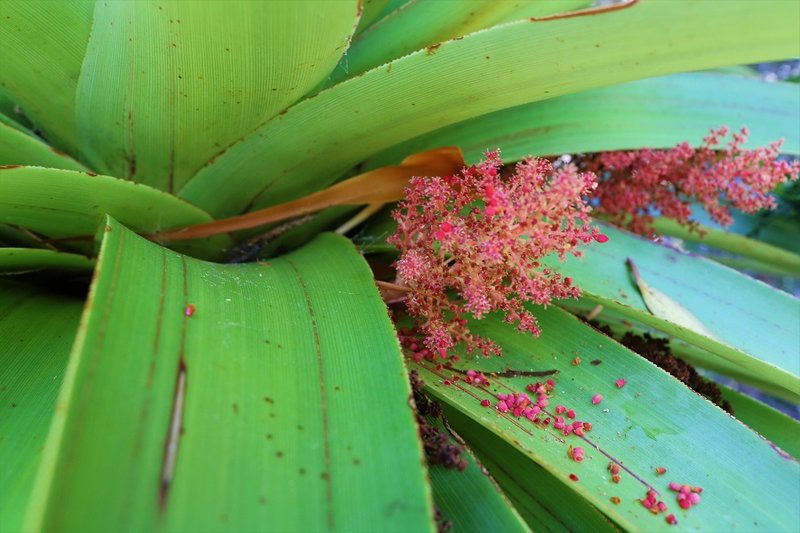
(403, 31)
(20, 148)
(166, 86)
(779, 428)
(656, 113)
(756, 326)
(524, 61)
(543, 500)
(653, 421)
(63, 203)
(42, 51)
(282, 384)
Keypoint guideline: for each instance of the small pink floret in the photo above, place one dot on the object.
(486, 403)
(570, 413)
(671, 520)
(597, 398)
(560, 409)
(620, 383)
(502, 406)
(577, 454)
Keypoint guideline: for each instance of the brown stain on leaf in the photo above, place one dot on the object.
(430, 50)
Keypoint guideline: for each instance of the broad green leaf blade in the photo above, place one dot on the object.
(621, 323)
(26, 260)
(777, 228)
(42, 47)
(36, 332)
(19, 148)
(401, 32)
(758, 327)
(63, 203)
(371, 11)
(665, 307)
(279, 404)
(524, 61)
(653, 421)
(471, 500)
(657, 113)
(166, 86)
(780, 429)
(542, 499)
(772, 257)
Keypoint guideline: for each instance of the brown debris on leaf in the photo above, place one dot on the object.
(439, 448)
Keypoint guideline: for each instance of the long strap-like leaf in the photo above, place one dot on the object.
(259, 397)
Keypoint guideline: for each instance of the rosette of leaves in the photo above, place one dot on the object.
(152, 386)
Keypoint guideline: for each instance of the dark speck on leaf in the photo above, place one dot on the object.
(430, 50)
(596, 362)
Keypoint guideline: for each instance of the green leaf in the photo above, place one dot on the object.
(267, 408)
(542, 499)
(657, 113)
(623, 322)
(780, 429)
(36, 332)
(665, 307)
(42, 47)
(63, 203)
(776, 228)
(524, 61)
(370, 12)
(756, 325)
(401, 32)
(469, 499)
(14, 260)
(773, 258)
(653, 421)
(11, 114)
(190, 78)
(19, 148)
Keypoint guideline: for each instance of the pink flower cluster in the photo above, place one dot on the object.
(471, 244)
(636, 184)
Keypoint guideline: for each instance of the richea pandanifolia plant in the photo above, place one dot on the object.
(472, 243)
(635, 185)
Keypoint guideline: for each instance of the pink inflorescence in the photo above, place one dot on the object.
(636, 184)
(481, 236)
